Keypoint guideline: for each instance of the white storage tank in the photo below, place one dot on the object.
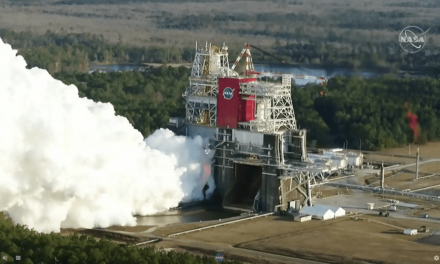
(260, 112)
(354, 161)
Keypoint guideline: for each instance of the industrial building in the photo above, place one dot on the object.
(318, 212)
(261, 160)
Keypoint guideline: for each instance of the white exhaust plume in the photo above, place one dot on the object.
(68, 162)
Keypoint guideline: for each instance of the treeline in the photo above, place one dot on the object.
(372, 110)
(74, 52)
(146, 99)
(33, 247)
(347, 109)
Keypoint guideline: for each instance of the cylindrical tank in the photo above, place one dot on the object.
(260, 112)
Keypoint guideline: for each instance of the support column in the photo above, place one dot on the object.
(382, 176)
(417, 165)
(309, 189)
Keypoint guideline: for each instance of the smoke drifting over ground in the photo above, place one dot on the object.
(67, 161)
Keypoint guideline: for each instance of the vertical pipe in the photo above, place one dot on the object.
(417, 164)
(309, 190)
(282, 149)
(382, 176)
(196, 46)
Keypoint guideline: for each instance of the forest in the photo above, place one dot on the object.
(351, 108)
(76, 51)
(34, 247)
(353, 35)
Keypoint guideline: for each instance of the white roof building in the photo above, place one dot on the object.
(338, 211)
(318, 212)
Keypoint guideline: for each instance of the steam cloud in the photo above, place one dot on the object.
(68, 162)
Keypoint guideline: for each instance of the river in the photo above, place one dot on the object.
(183, 216)
(318, 72)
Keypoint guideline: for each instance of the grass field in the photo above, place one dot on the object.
(325, 240)
(405, 180)
(139, 23)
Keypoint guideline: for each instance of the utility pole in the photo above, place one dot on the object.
(382, 176)
(309, 190)
(417, 164)
(409, 148)
(360, 146)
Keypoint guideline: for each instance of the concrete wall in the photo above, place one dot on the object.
(223, 167)
(269, 189)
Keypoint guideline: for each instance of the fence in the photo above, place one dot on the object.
(387, 191)
(222, 224)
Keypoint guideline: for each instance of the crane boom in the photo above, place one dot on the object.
(250, 66)
(270, 54)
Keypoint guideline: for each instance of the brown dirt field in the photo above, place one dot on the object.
(245, 231)
(327, 191)
(366, 241)
(431, 212)
(404, 180)
(414, 200)
(129, 228)
(175, 228)
(283, 236)
(430, 150)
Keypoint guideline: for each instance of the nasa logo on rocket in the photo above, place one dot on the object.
(228, 93)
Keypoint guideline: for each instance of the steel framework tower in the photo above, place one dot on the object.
(255, 106)
(274, 106)
(210, 63)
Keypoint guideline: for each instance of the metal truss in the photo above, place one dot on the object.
(201, 110)
(210, 63)
(278, 110)
(300, 180)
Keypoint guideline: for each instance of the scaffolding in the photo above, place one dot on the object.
(282, 155)
(210, 63)
(300, 180)
(274, 111)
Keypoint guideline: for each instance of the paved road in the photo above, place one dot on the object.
(399, 167)
(254, 256)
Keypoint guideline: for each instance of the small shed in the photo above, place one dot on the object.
(370, 206)
(423, 229)
(410, 231)
(338, 211)
(318, 212)
(302, 218)
(294, 205)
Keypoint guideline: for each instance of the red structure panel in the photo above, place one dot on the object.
(231, 109)
(247, 111)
